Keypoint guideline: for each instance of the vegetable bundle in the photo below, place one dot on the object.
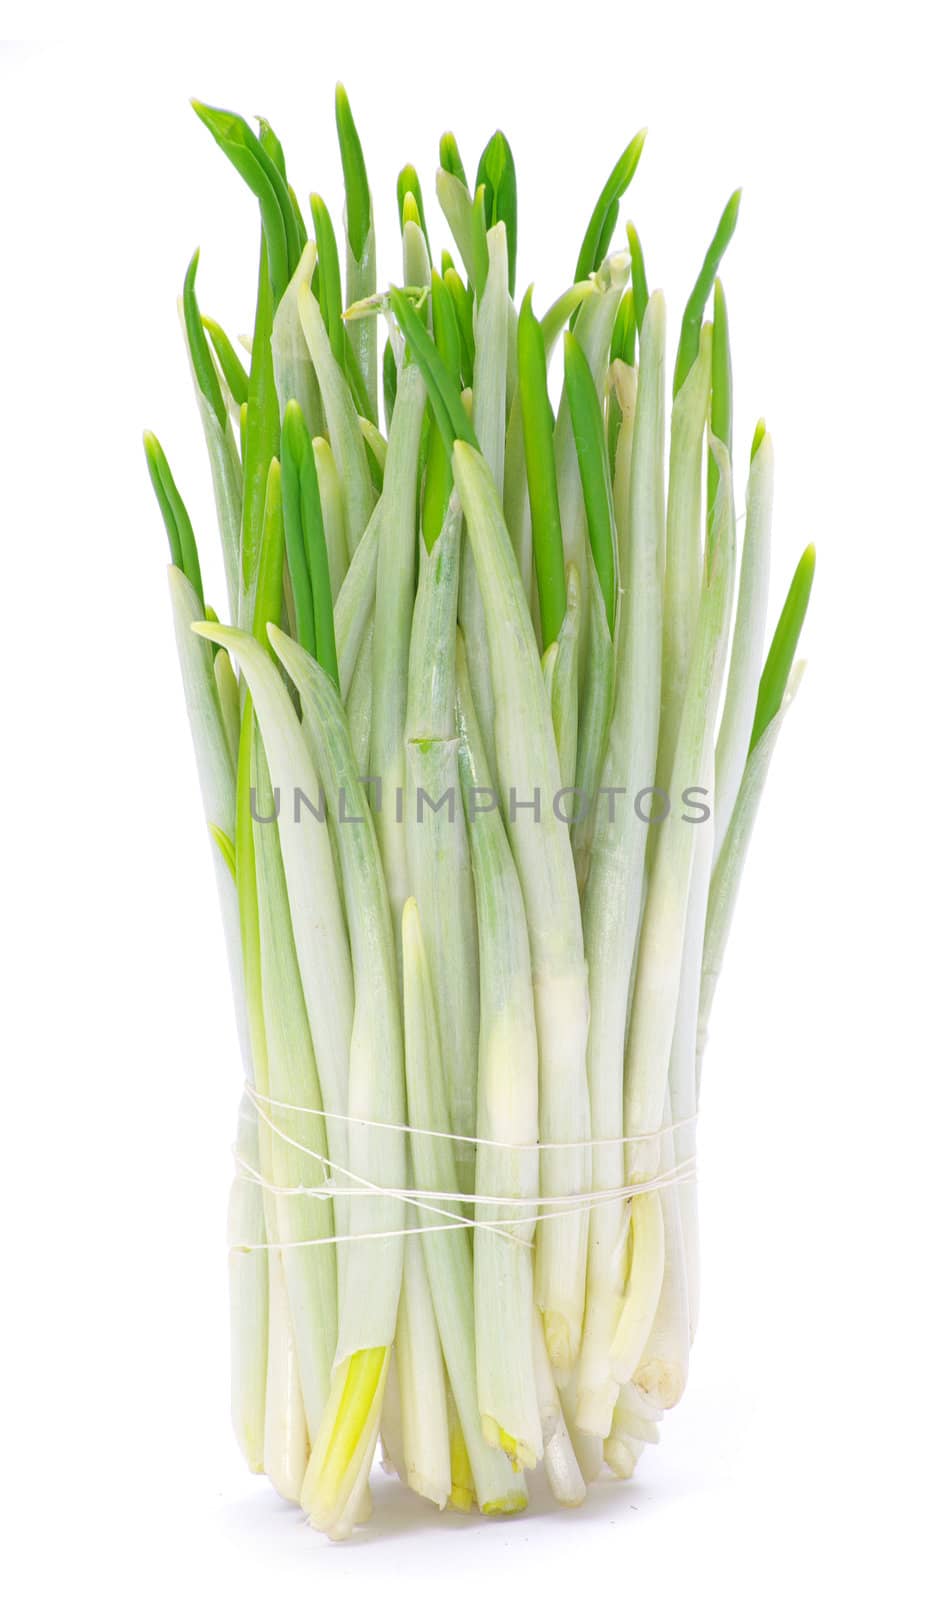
(480, 751)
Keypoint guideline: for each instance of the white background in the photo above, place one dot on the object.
(811, 1451)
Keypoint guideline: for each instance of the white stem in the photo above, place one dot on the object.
(393, 614)
(561, 1468)
(248, 1297)
(740, 696)
(528, 768)
(426, 1448)
(285, 1432)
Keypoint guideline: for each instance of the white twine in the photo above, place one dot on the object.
(260, 1100)
(425, 1199)
(678, 1174)
(366, 1184)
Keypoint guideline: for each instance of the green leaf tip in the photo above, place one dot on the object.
(234, 373)
(450, 158)
(760, 433)
(410, 210)
(202, 366)
(601, 226)
(272, 144)
(496, 176)
(639, 278)
(356, 188)
(280, 218)
(783, 646)
(722, 392)
(410, 201)
(689, 341)
(178, 525)
(328, 279)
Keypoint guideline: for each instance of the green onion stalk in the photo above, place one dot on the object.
(481, 737)
(615, 888)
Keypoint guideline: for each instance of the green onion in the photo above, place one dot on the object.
(747, 647)
(508, 1111)
(304, 533)
(598, 235)
(683, 545)
(205, 375)
(639, 280)
(496, 175)
(328, 268)
(593, 329)
(615, 882)
(528, 759)
(722, 391)
(560, 670)
(478, 813)
(360, 249)
(450, 157)
(498, 1482)
(343, 424)
(178, 527)
(538, 426)
(393, 617)
(282, 226)
(438, 857)
(783, 645)
(408, 188)
(232, 370)
(590, 447)
(689, 341)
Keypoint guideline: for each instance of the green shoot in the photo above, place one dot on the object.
(623, 333)
(690, 340)
(722, 398)
(269, 589)
(260, 441)
(408, 186)
(450, 159)
(438, 481)
(591, 449)
(306, 542)
(538, 430)
(205, 375)
(272, 146)
(356, 188)
(448, 409)
(639, 279)
(278, 216)
(178, 527)
(496, 174)
(463, 307)
(479, 246)
(328, 271)
(601, 226)
(232, 370)
(783, 646)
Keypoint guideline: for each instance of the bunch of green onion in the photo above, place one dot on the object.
(480, 751)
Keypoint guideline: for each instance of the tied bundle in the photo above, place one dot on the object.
(480, 751)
